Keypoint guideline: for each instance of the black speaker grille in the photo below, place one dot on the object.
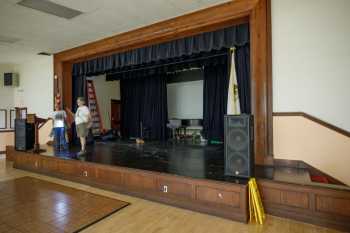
(24, 135)
(238, 139)
(239, 156)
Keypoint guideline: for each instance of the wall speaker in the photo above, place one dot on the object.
(11, 80)
(239, 145)
(24, 135)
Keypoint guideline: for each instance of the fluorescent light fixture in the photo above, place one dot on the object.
(50, 8)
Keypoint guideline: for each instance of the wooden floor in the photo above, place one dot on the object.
(148, 217)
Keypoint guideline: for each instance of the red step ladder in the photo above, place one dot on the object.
(97, 126)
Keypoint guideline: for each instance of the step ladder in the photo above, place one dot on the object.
(97, 126)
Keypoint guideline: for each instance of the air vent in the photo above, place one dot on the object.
(44, 54)
(8, 40)
(50, 8)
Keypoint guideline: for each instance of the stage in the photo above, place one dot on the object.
(192, 176)
(188, 159)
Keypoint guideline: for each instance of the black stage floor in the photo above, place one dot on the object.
(183, 159)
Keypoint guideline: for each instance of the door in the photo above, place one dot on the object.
(115, 114)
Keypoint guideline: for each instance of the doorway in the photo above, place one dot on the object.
(115, 114)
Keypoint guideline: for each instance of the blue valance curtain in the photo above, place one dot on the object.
(201, 43)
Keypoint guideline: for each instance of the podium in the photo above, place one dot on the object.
(38, 123)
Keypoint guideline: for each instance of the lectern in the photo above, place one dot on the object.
(38, 123)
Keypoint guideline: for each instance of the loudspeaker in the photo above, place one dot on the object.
(24, 135)
(11, 80)
(239, 145)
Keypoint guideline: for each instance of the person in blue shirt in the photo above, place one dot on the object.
(59, 129)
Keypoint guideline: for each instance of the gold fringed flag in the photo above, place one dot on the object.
(256, 209)
(233, 107)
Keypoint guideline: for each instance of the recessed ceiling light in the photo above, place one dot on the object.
(50, 8)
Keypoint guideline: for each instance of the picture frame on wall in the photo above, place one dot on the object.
(3, 119)
(12, 118)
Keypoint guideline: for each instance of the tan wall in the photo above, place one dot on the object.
(6, 138)
(105, 91)
(298, 138)
(45, 132)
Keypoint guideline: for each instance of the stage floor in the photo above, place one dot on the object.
(183, 159)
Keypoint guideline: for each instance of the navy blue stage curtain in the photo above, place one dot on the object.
(131, 97)
(170, 65)
(242, 60)
(215, 90)
(144, 104)
(204, 42)
(79, 90)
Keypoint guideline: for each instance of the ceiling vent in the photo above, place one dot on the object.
(50, 8)
(44, 54)
(8, 40)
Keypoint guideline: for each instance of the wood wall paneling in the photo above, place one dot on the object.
(109, 176)
(140, 181)
(49, 165)
(211, 195)
(169, 187)
(317, 205)
(253, 11)
(331, 205)
(295, 199)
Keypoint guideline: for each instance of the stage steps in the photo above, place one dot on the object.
(97, 126)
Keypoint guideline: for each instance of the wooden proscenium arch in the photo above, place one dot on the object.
(256, 12)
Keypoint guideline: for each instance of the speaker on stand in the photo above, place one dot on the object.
(239, 145)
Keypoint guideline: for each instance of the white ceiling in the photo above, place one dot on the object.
(38, 31)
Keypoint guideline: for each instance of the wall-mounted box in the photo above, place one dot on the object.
(11, 80)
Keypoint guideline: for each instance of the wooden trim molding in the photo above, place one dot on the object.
(7, 131)
(316, 120)
(255, 12)
(2, 152)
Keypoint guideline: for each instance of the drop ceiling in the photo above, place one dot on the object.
(33, 31)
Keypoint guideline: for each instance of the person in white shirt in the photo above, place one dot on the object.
(82, 121)
(59, 130)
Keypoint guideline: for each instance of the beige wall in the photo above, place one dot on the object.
(45, 132)
(106, 91)
(36, 86)
(311, 58)
(298, 138)
(6, 93)
(6, 139)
